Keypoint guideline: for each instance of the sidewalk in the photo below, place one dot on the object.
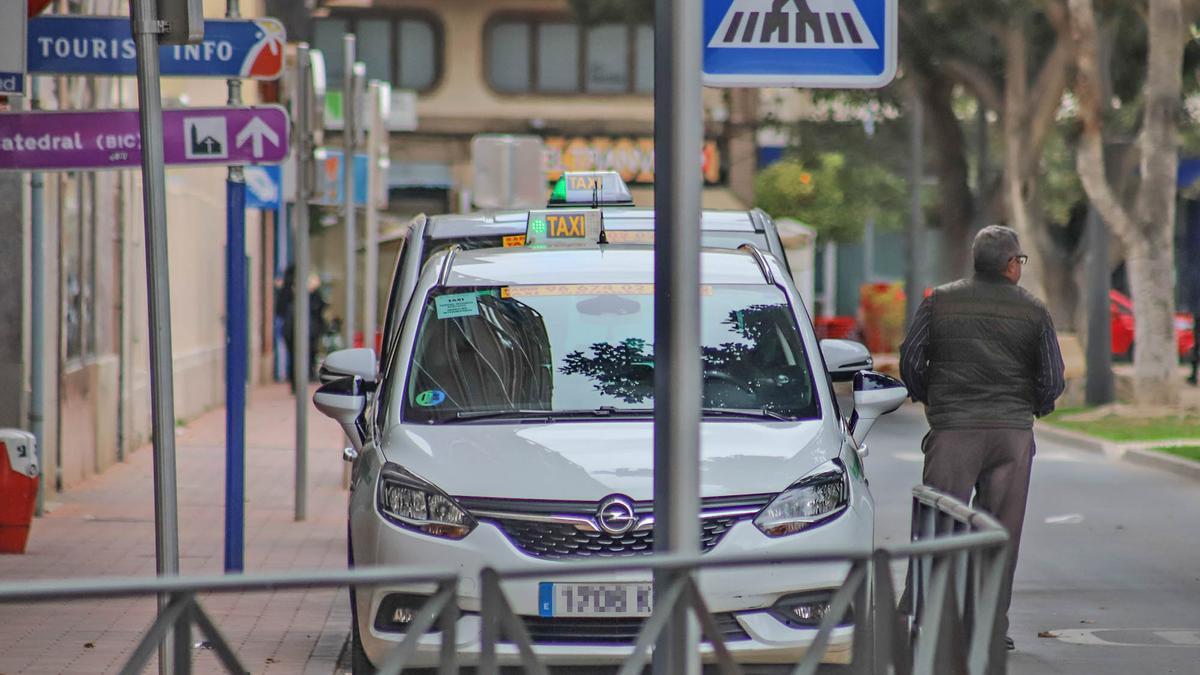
(105, 527)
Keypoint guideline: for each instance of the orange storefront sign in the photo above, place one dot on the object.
(632, 158)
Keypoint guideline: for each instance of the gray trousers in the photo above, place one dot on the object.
(994, 464)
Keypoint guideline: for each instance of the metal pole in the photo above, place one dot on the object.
(235, 348)
(371, 239)
(1099, 388)
(146, 30)
(37, 290)
(301, 103)
(678, 133)
(913, 277)
(349, 134)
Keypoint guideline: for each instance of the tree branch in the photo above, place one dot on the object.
(1044, 99)
(977, 80)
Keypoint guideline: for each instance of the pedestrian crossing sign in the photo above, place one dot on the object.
(799, 43)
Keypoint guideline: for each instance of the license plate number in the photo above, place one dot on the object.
(595, 599)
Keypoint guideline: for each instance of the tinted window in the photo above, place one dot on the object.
(402, 50)
(553, 55)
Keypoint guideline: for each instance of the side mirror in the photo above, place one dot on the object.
(844, 358)
(875, 395)
(344, 400)
(348, 363)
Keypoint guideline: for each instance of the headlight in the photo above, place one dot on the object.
(411, 502)
(818, 496)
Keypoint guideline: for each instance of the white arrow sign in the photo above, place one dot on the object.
(256, 131)
(793, 24)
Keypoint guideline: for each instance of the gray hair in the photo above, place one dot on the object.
(994, 246)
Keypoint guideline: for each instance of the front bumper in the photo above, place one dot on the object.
(744, 592)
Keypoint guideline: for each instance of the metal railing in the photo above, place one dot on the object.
(947, 622)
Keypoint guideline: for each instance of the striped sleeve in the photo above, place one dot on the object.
(1050, 370)
(914, 353)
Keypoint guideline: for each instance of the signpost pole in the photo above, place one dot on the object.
(678, 132)
(235, 348)
(349, 134)
(301, 103)
(375, 145)
(146, 29)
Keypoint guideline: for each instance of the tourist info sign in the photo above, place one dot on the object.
(12, 48)
(110, 139)
(799, 43)
(102, 45)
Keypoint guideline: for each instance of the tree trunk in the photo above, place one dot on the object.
(1148, 235)
(1029, 117)
(955, 201)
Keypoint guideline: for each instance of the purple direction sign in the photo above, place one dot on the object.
(110, 139)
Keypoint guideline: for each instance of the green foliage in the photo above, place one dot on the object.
(831, 195)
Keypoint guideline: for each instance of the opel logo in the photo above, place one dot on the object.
(615, 515)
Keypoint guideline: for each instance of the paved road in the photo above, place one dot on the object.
(1110, 558)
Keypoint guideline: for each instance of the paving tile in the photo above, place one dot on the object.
(104, 527)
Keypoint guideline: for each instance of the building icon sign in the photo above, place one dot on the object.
(205, 138)
(793, 24)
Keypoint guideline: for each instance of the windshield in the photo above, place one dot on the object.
(583, 350)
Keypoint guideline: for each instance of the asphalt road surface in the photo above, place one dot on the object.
(1110, 560)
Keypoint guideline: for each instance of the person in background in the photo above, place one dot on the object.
(317, 323)
(983, 357)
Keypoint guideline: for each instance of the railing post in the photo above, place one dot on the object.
(183, 636)
(448, 623)
(489, 622)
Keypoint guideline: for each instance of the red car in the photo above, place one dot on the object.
(1122, 328)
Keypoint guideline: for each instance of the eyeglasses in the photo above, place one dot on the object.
(1020, 258)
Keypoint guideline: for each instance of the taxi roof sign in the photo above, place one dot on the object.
(590, 188)
(564, 227)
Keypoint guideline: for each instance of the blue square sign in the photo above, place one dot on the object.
(799, 43)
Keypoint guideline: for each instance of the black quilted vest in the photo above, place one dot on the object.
(984, 339)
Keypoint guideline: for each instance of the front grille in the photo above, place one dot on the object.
(565, 541)
(565, 630)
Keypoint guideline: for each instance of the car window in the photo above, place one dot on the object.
(589, 347)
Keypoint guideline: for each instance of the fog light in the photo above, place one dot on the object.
(807, 610)
(397, 611)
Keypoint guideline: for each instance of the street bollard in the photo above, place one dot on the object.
(19, 472)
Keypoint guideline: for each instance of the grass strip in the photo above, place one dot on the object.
(1191, 452)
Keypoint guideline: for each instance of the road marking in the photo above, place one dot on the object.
(1090, 636)
(1065, 519)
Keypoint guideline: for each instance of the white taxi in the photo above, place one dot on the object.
(511, 426)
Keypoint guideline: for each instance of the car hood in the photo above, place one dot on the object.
(591, 460)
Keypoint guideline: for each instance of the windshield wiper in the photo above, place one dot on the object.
(603, 411)
(746, 412)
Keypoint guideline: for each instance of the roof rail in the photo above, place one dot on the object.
(444, 274)
(761, 259)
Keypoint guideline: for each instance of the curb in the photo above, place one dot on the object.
(1139, 453)
(1079, 441)
(1161, 460)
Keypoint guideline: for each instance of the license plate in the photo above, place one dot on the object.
(595, 599)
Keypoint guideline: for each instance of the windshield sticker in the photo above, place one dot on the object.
(513, 240)
(584, 289)
(431, 397)
(457, 305)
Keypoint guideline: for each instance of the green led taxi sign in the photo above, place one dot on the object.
(563, 227)
(590, 188)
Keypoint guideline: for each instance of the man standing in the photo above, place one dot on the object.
(983, 357)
